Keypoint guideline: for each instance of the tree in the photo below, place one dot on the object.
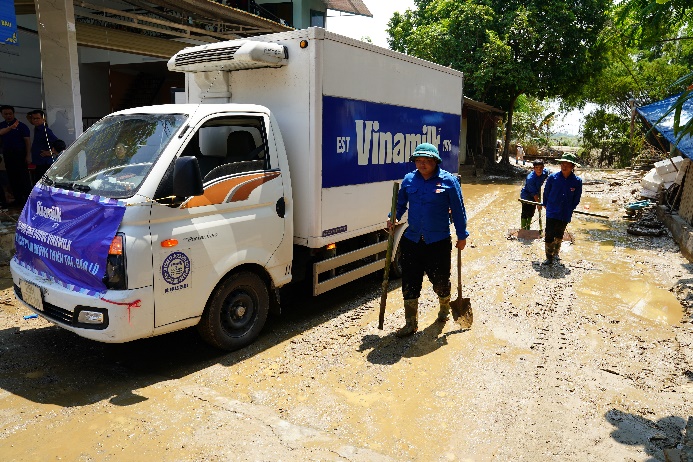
(607, 135)
(649, 47)
(666, 22)
(507, 48)
(530, 125)
(644, 55)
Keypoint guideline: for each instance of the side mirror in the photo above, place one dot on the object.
(187, 179)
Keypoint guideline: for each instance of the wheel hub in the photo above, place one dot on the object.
(239, 311)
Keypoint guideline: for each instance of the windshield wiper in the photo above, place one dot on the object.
(62, 184)
(81, 187)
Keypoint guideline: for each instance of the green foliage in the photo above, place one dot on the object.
(647, 22)
(607, 137)
(644, 75)
(539, 48)
(530, 125)
(649, 49)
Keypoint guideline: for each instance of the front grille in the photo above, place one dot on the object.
(51, 311)
(206, 56)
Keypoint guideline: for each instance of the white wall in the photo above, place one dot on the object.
(20, 75)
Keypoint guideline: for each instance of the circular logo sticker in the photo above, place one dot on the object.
(175, 268)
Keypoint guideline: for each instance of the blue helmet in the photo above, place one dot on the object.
(426, 150)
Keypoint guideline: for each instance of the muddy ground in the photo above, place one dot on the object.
(588, 360)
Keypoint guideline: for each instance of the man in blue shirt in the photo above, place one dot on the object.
(561, 196)
(16, 149)
(531, 191)
(431, 194)
(42, 146)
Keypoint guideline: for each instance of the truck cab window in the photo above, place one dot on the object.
(228, 146)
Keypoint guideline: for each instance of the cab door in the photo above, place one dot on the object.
(199, 240)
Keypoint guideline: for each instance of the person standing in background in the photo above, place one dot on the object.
(41, 147)
(531, 191)
(561, 196)
(16, 148)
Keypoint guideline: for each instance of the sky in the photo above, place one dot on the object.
(358, 27)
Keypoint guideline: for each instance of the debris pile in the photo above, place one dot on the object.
(661, 177)
(647, 224)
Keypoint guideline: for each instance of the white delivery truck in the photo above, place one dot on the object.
(279, 168)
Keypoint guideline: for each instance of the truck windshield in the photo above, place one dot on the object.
(114, 156)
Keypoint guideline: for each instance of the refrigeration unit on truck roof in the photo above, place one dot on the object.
(229, 56)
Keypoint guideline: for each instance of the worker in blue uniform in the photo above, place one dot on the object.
(531, 191)
(432, 195)
(561, 196)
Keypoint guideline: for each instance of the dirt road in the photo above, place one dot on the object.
(588, 360)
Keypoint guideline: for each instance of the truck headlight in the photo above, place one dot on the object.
(116, 276)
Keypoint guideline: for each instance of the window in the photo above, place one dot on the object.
(229, 145)
(115, 155)
(317, 18)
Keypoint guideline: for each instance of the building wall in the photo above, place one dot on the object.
(686, 206)
(302, 11)
(20, 74)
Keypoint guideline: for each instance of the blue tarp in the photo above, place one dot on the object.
(653, 112)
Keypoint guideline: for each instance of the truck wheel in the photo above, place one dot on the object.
(236, 312)
(396, 266)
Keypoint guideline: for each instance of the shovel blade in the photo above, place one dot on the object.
(462, 312)
(529, 234)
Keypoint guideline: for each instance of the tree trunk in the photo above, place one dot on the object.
(508, 131)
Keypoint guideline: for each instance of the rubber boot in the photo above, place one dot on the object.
(557, 248)
(444, 312)
(525, 223)
(548, 248)
(411, 316)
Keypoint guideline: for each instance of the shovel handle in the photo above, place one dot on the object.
(589, 214)
(459, 273)
(388, 256)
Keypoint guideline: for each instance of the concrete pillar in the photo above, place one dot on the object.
(60, 67)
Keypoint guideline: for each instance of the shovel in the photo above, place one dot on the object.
(461, 308)
(541, 229)
(388, 255)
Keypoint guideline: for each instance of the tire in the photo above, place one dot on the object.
(236, 312)
(396, 266)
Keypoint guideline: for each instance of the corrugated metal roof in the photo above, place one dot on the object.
(126, 42)
(653, 112)
(483, 107)
(349, 6)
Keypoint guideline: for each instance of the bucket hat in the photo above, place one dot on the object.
(568, 157)
(426, 150)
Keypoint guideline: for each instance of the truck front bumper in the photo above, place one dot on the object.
(115, 316)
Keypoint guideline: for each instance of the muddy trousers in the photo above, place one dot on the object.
(18, 175)
(419, 258)
(553, 237)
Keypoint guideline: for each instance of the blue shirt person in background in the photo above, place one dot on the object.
(16, 150)
(531, 191)
(42, 145)
(431, 195)
(561, 196)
